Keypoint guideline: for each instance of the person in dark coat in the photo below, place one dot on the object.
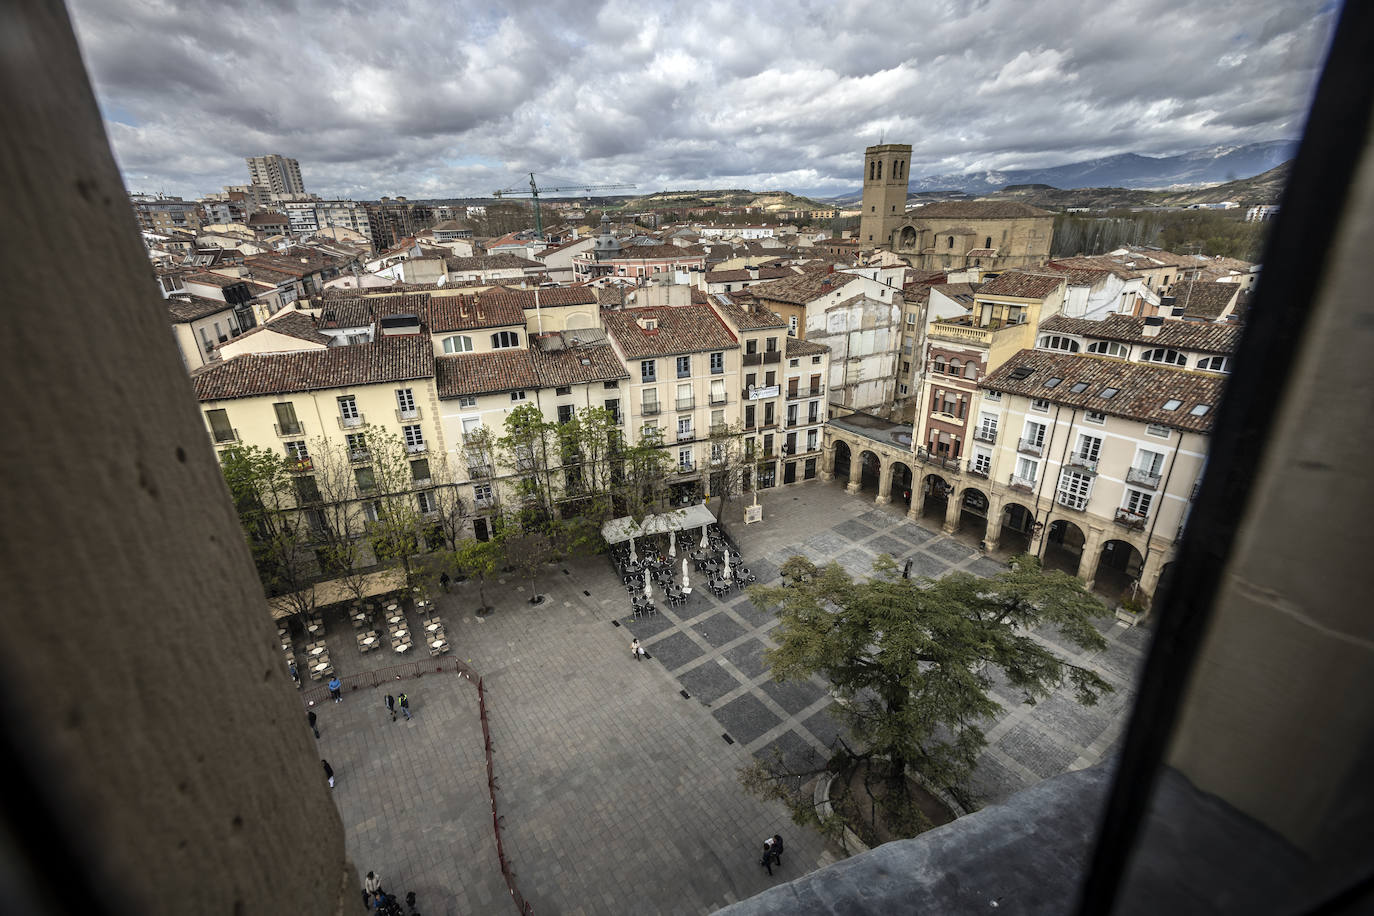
(329, 774)
(311, 718)
(444, 580)
(391, 706)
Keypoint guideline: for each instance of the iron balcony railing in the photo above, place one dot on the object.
(686, 403)
(949, 464)
(1021, 483)
(404, 415)
(225, 435)
(350, 422)
(1143, 477)
(289, 429)
(1083, 463)
(359, 456)
(1072, 501)
(815, 392)
(1030, 447)
(1129, 519)
(986, 434)
(978, 470)
(649, 409)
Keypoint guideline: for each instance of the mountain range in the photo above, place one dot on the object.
(1195, 167)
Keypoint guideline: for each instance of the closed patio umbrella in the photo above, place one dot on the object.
(725, 565)
(686, 583)
(704, 542)
(672, 543)
(634, 558)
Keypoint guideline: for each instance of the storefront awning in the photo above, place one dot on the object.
(622, 529)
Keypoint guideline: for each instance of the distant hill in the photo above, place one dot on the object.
(1128, 170)
(1263, 188)
(733, 197)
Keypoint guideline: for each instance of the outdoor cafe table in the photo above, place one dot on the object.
(395, 618)
(368, 640)
(321, 666)
(400, 633)
(433, 626)
(403, 646)
(317, 650)
(437, 643)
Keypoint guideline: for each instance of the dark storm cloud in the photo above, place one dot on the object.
(446, 99)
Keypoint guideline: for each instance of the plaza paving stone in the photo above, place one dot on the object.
(748, 657)
(617, 794)
(886, 543)
(746, 718)
(797, 753)
(719, 629)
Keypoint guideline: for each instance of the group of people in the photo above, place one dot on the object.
(379, 901)
(772, 852)
(404, 703)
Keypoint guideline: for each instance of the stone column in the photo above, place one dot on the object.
(952, 511)
(1092, 549)
(856, 471)
(828, 463)
(884, 485)
(993, 533)
(1154, 565)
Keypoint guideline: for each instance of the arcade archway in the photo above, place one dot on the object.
(1017, 527)
(973, 514)
(937, 493)
(1063, 546)
(1118, 569)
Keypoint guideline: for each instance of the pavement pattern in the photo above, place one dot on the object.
(618, 779)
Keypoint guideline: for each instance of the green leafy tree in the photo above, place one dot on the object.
(531, 447)
(912, 658)
(641, 474)
(479, 560)
(343, 480)
(398, 528)
(266, 494)
(727, 462)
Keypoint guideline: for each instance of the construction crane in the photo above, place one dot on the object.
(535, 191)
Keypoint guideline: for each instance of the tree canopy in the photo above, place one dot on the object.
(912, 658)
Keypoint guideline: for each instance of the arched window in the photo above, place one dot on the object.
(951, 242)
(987, 242)
(956, 367)
(458, 343)
(1215, 363)
(1108, 348)
(1164, 355)
(880, 170)
(502, 339)
(939, 365)
(970, 369)
(1055, 342)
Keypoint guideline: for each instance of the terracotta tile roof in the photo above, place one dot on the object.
(684, 329)
(975, 209)
(467, 313)
(267, 218)
(803, 288)
(205, 278)
(1181, 335)
(660, 253)
(485, 373)
(1202, 299)
(743, 274)
(1113, 265)
(182, 311)
(503, 261)
(1022, 284)
(980, 253)
(1142, 388)
(798, 347)
(293, 324)
(576, 365)
(1078, 276)
(746, 314)
(549, 297)
(390, 359)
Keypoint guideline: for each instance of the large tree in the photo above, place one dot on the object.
(728, 462)
(912, 658)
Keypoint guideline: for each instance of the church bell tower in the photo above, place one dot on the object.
(885, 187)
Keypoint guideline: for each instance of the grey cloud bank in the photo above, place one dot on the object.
(447, 100)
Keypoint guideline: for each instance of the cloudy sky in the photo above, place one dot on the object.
(442, 99)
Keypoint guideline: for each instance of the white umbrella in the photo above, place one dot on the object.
(704, 543)
(672, 543)
(725, 568)
(686, 583)
(634, 558)
(648, 587)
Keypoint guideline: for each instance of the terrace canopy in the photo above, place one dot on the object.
(622, 529)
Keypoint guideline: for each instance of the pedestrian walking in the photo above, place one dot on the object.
(391, 706)
(906, 570)
(336, 689)
(372, 886)
(311, 717)
(635, 649)
(405, 706)
(444, 580)
(328, 772)
(767, 860)
(295, 675)
(777, 849)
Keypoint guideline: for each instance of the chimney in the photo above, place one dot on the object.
(753, 271)
(1152, 326)
(1177, 311)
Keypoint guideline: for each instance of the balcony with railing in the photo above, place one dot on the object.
(405, 416)
(686, 403)
(718, 398)
(417, 448)
(1075, 501)
(649, 409)
(300, 465)
(761, 392)
(686, 467)
(351, 422)
(1128, 519)
(685, 435)
(1030, 447)
(1085, 464)
(289, 429)
(986, 434)
(1143, 477)
(223, 436)
(813, 392)
(961, 331)
(761, 359)
(1021, 483)
(979, 470)
(359, 456)
(927, 456)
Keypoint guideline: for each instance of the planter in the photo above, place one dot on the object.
(850, 842)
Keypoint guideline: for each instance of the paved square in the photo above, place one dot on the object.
(617, 794)
(708, 681)
(718, 629)
(745, 718)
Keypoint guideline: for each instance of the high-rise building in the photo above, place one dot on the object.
(884, 200)
(276, 173)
